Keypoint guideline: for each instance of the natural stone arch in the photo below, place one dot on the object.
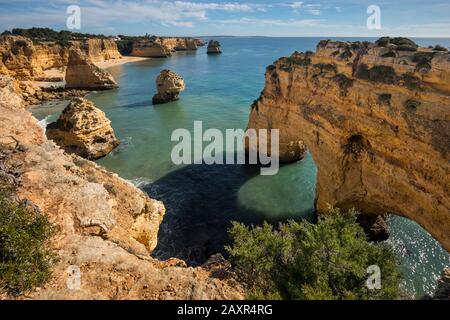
(372, 151)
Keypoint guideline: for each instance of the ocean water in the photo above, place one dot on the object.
(202, 200)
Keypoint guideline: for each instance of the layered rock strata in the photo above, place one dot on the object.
(160, 47)
(84, 130)
(24, 60)
(169, 85)
(376, 119)
(83, 74)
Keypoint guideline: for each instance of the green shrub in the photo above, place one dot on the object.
(440, 48)
(401, 43)
(390, 54)
(384, 74)
(25, 259)
(327, 260)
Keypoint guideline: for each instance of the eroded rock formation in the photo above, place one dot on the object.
(214, 47)
(84, 130)
(107, 226)
(376, 119)
(168, 85)
(83, 74)
(25, 60)
(162, 47)
(99, 50)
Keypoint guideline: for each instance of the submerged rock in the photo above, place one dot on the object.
(83, 74)
(84, 130)
(214, 47)
(169, 85)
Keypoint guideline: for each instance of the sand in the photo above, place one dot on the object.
(58, 73)
(117, 62)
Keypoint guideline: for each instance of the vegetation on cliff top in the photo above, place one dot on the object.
(25, 259)
(327, 260)
(47, 34)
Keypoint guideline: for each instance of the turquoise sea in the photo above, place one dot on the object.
(201, 200)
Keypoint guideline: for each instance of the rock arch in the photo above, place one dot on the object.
(373, 150)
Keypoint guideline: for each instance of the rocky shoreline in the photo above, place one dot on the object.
(376, 119)
(108, 227)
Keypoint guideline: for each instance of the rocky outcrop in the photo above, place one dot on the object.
(17, 58)
(10, 92)
(84, 130)
(162, 47)
(107, 226)
(99, 50)
(376, 119)
(150, 49)
(214, 47)
(25, 60)
(168, 85)
(443, 289)
(83, 74)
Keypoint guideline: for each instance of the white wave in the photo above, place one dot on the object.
(44, 122)
(141, 182)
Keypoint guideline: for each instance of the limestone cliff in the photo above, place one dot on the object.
(99, 50)
(168, 85)
(162, 47)
(84, 130)
(24, 60)
(376, 119)
(82, 73)
(107, 227)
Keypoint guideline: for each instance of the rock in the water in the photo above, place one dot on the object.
(84, 130)
(375, 227)
(214, 47)
(82, 74)
(443, 288)
(169, 85)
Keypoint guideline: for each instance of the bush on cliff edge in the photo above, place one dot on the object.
(327, 260)
(25, 259)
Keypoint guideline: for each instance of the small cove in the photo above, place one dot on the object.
(201, 200)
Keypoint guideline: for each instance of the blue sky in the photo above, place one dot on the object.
(424, 18)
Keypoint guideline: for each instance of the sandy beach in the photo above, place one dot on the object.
(116, 62)
(58, 73)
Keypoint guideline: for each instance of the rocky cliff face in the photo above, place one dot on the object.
(99, 50)
(160, 47)
(376, 119)
(82, 73)
(168, 85)
(23, 60)
(107, 227)
(84, 130)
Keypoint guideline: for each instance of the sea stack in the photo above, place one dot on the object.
(214, 47)
(84, 130)
(83, 74)
(169, 85)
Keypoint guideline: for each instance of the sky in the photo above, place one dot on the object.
(413, 18)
